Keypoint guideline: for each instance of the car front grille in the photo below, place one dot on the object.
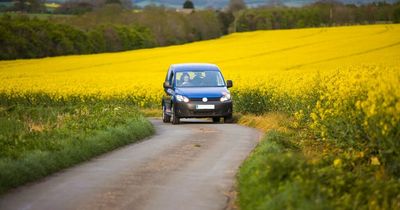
(203, 112)
(201, 99)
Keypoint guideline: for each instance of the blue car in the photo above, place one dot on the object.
(196, 91)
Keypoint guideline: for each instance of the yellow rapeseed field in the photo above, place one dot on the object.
(331, 77)
(287, 58)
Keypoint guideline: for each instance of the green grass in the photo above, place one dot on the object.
(41, 16)
(39, 140)
(151, 112)
(291, 170)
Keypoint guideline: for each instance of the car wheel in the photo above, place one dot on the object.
(166, 118)
(216, 119)
(228, 119)
(174, 119)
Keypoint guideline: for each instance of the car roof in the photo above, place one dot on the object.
(194, 67)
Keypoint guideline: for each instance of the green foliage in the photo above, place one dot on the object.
(112, 38)
(75, 8)
(22, 37)
(170, 27)
(108, 29)
(38, 140)
(315, 15)
(188, 4)
(259, 101)
(45, 99)
(236, 5)
(396, 14)
(28, 6)
(253, 101)
(113, 2)
(278, 176)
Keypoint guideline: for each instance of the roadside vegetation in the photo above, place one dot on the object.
(340, 149)
(291, 168)
(40, 139)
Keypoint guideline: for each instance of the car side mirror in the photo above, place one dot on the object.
(229, 83)
(167, 84)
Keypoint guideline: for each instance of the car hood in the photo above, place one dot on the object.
(200, 92)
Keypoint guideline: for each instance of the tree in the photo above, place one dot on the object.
(236, 5)
(226, 18)
(21, 5)
(29, 5)
(274, 3)
(112, 2)
(396, 14)
(188, 5)
(74, 7)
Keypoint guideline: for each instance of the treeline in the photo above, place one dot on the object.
(108, 29)
(166, 25)
(316, 15)
(22, 37)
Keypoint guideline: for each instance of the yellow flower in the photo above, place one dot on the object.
(375, 161)
(337, 162)
(360, 155)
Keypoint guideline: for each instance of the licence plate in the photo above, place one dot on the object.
(205, 106)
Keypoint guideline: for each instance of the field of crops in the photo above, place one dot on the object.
(341, 83)
(349, 74)
(335, 78)
(287, 59)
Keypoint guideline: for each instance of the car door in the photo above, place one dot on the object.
(169, 92)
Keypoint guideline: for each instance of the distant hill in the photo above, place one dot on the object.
(250, 3)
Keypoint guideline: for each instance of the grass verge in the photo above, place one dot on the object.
(290, 169)
(151, 112)
(37, 141)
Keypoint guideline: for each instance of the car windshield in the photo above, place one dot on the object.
(199, 79)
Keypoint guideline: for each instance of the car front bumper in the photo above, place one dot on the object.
(189, 110)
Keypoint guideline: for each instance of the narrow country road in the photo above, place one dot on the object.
(181, 167)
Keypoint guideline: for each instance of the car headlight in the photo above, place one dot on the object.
(182, 98)
(225, 97)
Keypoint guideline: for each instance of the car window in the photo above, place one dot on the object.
(199, 79)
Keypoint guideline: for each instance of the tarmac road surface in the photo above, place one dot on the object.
(182, 167)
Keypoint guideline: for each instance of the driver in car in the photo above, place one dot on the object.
(185, 79)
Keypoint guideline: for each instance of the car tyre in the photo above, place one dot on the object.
(174, 119)
(166, 118)
(216, 119)
(228, 119)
